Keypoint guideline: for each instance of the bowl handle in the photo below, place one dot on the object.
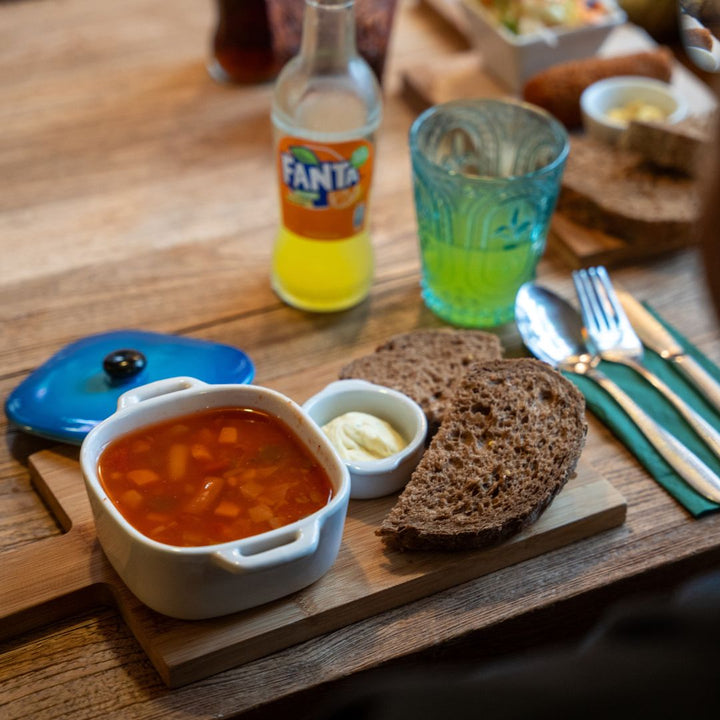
(264, 554)
(157, 388)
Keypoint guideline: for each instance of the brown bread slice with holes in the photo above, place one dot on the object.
(425, 365)
(509, 442)
(620, 193)
(683, 146)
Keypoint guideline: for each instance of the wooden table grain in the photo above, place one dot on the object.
(136, 192)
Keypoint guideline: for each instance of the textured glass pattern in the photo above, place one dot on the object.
(486, 176)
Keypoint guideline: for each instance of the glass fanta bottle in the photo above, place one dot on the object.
(327, 107)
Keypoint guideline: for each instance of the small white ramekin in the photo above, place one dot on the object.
(213, 580)
(374, 478)
(604, 95)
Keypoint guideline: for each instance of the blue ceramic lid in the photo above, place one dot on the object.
(79, 386)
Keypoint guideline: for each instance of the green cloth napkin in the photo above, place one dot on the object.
(610, 413)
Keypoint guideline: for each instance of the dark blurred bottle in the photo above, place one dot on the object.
(373, 20)
(242, 46)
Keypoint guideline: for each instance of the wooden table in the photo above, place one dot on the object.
(138, 193)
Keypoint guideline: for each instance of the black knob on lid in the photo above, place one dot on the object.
(123, 364)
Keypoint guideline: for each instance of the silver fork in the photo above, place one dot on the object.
(616, 341)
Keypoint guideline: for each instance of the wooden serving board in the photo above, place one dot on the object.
(61, 575)
(582, 247)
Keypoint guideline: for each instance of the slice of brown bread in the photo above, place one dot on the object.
(509, 442)
(425, 365)
(680, 147)
(618, 192)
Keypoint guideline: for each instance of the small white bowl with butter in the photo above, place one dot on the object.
(379, 433)
(609, 105)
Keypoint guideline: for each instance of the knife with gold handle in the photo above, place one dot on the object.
(657, 338)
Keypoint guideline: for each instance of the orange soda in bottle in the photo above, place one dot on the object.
(327, 106)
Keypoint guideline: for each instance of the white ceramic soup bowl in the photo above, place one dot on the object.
(213, 580)
(375, 478)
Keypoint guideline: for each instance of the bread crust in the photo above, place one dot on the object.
(680, 147)
(425, 364)
(509, 442)
(619, 192)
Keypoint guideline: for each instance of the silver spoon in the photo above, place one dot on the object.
(553, 332)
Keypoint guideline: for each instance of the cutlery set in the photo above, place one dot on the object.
(657, 338)
(613, 327)
(616, 341)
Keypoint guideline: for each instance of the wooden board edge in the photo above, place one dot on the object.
(608, 511)
(452, 13)
(456, 77)
(587, 505)
(581, 246)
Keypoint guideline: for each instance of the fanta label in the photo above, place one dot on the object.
(324, 188)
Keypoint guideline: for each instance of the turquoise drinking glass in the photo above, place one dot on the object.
(486, 177)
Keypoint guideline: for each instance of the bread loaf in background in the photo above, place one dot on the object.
(508, 443)
(622, 194)
(558, 89)
(681, 147)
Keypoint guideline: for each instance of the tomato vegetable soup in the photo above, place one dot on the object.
(212, 476)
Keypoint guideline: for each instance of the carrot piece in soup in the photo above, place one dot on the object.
(191, 538)
(228, 509)
(260, 513)
(275, 495)
(228, 435)
(250, 489)
(177, 461)
(132, 499)
(142, 476)
(200, 452)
